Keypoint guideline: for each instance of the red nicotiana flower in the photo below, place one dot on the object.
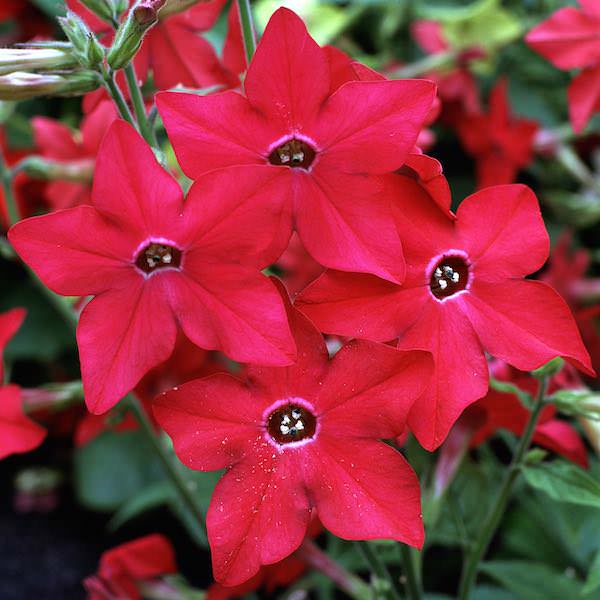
(18, 433)
(570, 39)
(326, 149)
(500, 143)
(124, 567)
(173, 49)
(76, 150)
(464, 293)
(301, 440)
(155, 262)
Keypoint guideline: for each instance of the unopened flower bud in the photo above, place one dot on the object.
(577, 402)
(172, 7)
(550, 368)
(131, 33)
(105, 9)
(35, 59)
(86, 47)
(21, 85)
(76, 171)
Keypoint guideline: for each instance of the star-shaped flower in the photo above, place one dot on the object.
(325, 146)
(464, 294)
(300, 439)
(154, 262)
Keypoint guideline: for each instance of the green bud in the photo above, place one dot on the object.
(173, 7)
(577, 402)
(22, 86)
(87, 49)
(534, 456)
(105, 9)
(33, 59)
(549, 369)
(76, 171)
(131, 32)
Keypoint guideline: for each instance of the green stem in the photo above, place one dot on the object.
(413, 579)
(138, 106)
(433, 62)
(248, 31)
(7, 186)
(172, 469)
(379, 569)
(496, 512)
(115, 93)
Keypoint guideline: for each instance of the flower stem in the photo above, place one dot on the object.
(426, 64)
(138, 106)
(496, 512)
(313, 556)
(170, 466)
(379, 569)
(248, 31)
(413, 579)
(115, 93)
(9, 195)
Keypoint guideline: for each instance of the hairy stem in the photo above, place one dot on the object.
(138, 106)
(379, 569)
(411, 572)
(248, 31)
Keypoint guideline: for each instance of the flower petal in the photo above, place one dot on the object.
(75, 252)
(122, 334)
(370, 126)
(345, 223)
(234, 309)
(525, 323)
(370, 389)
(288, 78)
(503, 232)
(220, 130)
(132, 188)
(258, 515)
(10, 321)
(584, 95)
(251, 223)
(460, 376)
(213, 421)
(18, 433)
(358, 487)
(562, 438)
(54, 139)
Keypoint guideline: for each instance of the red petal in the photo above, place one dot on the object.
(503, 232)
(345, 222)
(75, 252)
(568, 39)
(220, 130)
(213, 422)
(525, 323)
(258, 515)
(584, 95)
(132, 188)
(122, 334)
(370, 126)
(234, 309)
(562, 438)
(460, 376)
(55, 139)
(288, 78)
(18, 433)
(95, 125)
(250, 223)
(370, 389)
(358, 487)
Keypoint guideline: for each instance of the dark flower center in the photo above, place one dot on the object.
(294, 153)
(158, 256)
(291, 423)
(450, 276)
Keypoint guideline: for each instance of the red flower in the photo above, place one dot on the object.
(18, 433)
(173, 49)
(500, 143)
(124, 567)
(76, 150)
(324, 148)
(570, 39)
(299, 439)
(154, 262)
(463, 294)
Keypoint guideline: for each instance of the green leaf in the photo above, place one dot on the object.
(52, 8)
(593, 579)
(532, 580)
(113, 468)
(565, 482)
(155, 495)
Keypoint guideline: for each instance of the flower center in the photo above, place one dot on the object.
(451, 275)
(158, 256)
(291, 423)
(294, 153)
